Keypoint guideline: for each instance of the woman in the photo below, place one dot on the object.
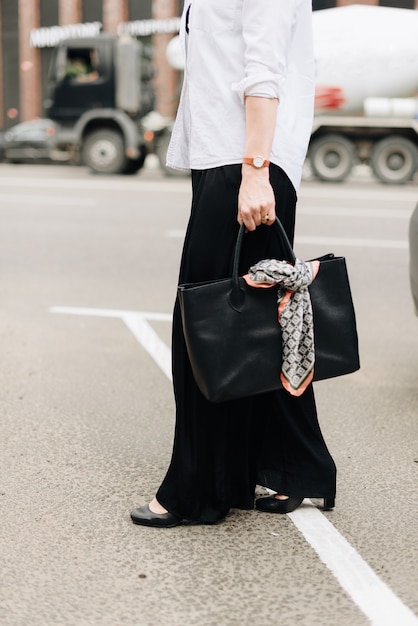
(243, 127)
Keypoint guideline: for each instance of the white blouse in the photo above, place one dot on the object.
(236, 48)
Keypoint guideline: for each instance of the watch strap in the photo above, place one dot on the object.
(251, 161)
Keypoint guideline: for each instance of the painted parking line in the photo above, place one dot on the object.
(372, 596)
(139, 325)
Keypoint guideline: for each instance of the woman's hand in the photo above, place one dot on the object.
(256, 201)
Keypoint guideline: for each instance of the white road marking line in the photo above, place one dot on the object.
(328, 241)
(149, 340)
(373, 597)
(94, 184)
(138, 324)
(344, 192)
(386, 194)
(352, 242)
(355, 212)
(120, 313)
(30, 199)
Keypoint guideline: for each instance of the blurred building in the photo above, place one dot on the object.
(29, 28)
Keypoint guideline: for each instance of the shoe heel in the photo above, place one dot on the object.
(329, 503)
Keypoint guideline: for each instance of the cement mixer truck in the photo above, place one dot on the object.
(366, 106)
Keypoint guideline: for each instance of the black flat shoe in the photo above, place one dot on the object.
(145, 517)
(270, 504)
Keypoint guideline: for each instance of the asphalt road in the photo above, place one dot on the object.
(88, 270)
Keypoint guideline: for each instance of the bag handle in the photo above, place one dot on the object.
(237, 294)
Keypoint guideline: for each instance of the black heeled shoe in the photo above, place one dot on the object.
(145, 517)
(329, 504)
(271, 504)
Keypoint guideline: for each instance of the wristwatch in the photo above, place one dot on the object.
(257, 162)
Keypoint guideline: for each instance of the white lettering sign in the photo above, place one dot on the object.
(142, 28)
(50, 37)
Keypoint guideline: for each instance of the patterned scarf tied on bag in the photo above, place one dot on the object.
(294, 315)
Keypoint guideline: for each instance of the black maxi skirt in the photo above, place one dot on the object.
(222, 451)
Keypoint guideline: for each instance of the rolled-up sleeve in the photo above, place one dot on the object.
(267, 31)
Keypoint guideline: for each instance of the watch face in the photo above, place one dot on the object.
(258, 161)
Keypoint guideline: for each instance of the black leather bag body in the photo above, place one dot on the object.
(234, 339)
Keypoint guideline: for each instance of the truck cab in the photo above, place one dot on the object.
(98, 91)
(82, 77)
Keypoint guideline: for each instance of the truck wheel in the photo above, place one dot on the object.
(161, 149)
(394, 160)
(104, 152)
(332, 158)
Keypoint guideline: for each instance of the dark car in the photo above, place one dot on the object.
(413, 256)
(28, 142)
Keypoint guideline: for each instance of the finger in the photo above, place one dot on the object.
(248, 218)
(258, 219)
(249, 222)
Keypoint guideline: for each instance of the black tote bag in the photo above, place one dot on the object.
(233, 337)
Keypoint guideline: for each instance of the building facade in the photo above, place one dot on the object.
(27, 31)
(28, 28)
